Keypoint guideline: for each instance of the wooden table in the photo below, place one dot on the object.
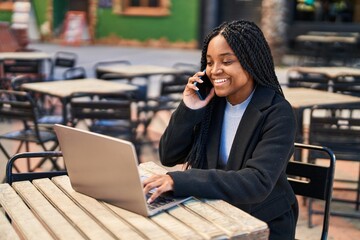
(327, 38)
(306, 98)
(24, 56)
(330, 72)
(132, 71)
(51, 209)
(30, 56)
(66, 89)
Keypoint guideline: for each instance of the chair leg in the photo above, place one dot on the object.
(358, 191)
(310, 212)
(7, 155)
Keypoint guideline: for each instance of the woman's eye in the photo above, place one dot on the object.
(227, 62)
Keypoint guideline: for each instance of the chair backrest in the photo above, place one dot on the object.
(19, 106)
(74, 73)
(314, 181)
(100, 109)
(22, 176)
(31, 68)
(347, 84)
(114, 117)
(308, 80)
(17, 81)
(338, 128)
(65, 59)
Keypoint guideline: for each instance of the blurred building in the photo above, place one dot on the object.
(184, 23)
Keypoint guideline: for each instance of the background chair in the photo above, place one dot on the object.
(338, 128)
(62, 61)
(74, 73)
(44, 116)
(12, 176)
(314, 181)
(113, 117)
(20, 108)
(347, 84)
(308, 80)
(29, 68)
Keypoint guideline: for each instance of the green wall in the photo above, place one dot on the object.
(181, 25)
(40, 8)
(5, 16)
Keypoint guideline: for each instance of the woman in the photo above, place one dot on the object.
(236, 143)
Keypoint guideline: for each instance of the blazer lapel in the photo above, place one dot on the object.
(213, 142)
(261, 99)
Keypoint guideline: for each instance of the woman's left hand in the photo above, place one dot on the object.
(162, 183)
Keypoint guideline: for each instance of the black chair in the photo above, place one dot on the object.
(12, 176)
(31, 69)
(314, 181)
(308, 80)
(44, 118)
(20, 108)
(347, 84)
(62, 61)
(338, 128)
(108, 116)
(109, 76)
(74, 73)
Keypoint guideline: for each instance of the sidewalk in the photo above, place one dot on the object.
(340, 228)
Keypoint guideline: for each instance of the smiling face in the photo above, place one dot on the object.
(230, 80)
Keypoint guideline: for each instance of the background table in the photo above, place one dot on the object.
(54, 210)
(66, 89)
(302, 99)
(132, 71)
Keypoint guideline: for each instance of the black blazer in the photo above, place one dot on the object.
(254, 178)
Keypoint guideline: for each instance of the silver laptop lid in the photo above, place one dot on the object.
(102, 167)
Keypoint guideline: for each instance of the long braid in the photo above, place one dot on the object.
(253, 52)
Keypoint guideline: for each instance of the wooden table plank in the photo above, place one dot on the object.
(225, 223)
(176, 228)
(144, 225)
(6, 230)
(70, 210)
(202, 226)
(111, 221)
(257, 228)
(45, 212)
(22, 218)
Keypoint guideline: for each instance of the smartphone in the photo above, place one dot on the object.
(204, 87)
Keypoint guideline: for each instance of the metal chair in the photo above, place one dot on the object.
(314, 181)
(308, 80)
(12, 176)
(347, 84)
(20, 108)
(29, 68)
(108, 116)
(62, 61)
(74, 73)
(338, 128)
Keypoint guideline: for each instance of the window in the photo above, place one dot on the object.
(327, 10)
(6, 5)
(142, 7)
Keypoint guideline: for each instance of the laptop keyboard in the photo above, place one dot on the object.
(159, 201)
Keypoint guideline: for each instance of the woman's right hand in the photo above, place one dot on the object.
(190, 98)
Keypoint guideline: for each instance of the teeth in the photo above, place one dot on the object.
(220, 80)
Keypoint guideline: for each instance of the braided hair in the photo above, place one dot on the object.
(253, 52)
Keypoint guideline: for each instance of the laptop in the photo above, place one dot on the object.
(106, 168)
